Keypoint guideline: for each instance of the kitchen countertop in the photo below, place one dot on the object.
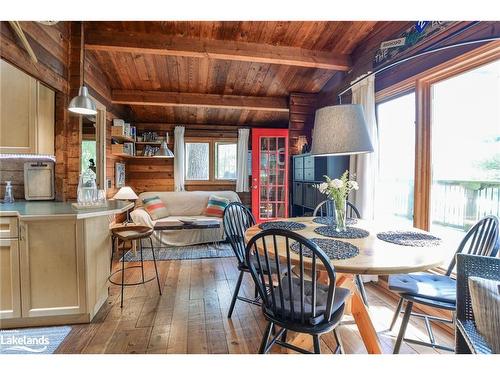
(28, 209)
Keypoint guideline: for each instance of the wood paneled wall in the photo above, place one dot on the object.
(419, 65)
(100, 89)
(158, 174)
(13, 170)
(51, 46)
(362, 58)
(301, 122)
(59, 66)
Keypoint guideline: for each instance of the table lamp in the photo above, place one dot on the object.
(126, 194)
(340, 130)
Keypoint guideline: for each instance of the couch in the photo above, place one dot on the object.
(181, 205)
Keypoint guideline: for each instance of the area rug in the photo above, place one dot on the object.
(221, 250)
(32, 340)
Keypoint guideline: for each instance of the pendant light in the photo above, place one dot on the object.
(164, 150)
(340, 130)
(82, 104)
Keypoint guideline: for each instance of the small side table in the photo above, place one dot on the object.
(133, 233)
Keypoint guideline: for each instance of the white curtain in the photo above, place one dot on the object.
(179, 151)
(242, 161)
(364, 166)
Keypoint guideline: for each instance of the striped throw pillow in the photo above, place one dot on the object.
(216, 206)
(155, 207)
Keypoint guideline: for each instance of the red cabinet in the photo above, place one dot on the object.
(270, 174)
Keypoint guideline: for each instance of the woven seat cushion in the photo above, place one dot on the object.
(485, 296)
(321, 299)
(421, 284)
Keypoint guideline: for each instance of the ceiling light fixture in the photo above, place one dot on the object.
(83, 103)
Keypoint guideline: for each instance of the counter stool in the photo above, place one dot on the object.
(133, 233)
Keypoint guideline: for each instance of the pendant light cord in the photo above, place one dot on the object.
(82, 53)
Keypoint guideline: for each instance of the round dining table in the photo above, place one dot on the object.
(375, 257)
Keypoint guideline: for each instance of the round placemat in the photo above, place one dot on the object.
(288, 225)
(324, 221)
(350, 232)
(408, 238)
(333, 248)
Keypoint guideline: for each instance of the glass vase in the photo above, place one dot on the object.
(330, 212)
(340, 215)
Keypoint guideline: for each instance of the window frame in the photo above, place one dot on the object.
(212, 180)
(223, 142)
(421, 84)
(394, 93)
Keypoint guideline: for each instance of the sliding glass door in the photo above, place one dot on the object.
(465, 150)
(395, 183)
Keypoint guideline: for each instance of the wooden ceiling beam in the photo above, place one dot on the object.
(178, 99)
(166, 45)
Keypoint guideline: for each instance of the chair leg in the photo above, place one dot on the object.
(154, 262)
(340, 347)
(429, 330)
(284, 335)
(256, 293)
(317, 347)
(396, 313)
(404, 324)
(265, 338)
(361, 288)
(235, 294)
(113, 241)
(123, 277)
(142, 260)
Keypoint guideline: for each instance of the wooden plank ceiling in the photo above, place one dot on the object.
(235, 73)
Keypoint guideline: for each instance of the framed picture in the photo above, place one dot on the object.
(119, 175)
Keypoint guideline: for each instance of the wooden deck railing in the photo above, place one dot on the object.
(454, 203)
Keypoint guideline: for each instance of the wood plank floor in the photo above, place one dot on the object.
(191, 316)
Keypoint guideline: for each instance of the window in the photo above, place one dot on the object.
(197, 161)
(396, 127)
(225, 161)
(465, 128)
(89, 155)
(456, 145)
(211, 161)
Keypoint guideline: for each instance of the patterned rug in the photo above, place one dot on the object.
(32, 340)
(202, 251)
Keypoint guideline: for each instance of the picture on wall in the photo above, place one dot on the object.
(120, 175)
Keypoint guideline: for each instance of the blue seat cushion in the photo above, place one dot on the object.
(425, 285)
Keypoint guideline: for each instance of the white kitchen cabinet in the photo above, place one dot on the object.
(10, 293)
(52, 267)
(27, 113)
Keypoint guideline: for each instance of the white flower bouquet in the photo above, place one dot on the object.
(337, 191)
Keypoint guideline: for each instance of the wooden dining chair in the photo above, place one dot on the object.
(294, 300)
(352, 213)
(439, 291)
(236, 220)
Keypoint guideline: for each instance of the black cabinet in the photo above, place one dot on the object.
(309, 171)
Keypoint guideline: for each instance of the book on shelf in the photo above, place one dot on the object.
(128, 148)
